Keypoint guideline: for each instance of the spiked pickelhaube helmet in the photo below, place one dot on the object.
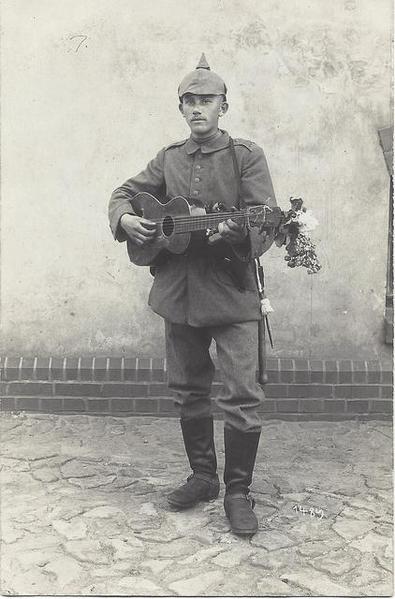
(202, 81)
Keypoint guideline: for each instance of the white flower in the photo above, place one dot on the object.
(266, 307)
(307, 222)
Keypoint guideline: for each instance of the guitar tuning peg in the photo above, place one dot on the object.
(219, 207)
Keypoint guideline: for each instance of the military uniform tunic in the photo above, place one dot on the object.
(195, 288)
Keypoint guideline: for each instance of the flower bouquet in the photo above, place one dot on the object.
(293, 232)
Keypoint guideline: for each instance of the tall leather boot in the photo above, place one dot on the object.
(203, 483)
(240, 454)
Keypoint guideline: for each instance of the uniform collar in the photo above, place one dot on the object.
(220, 142)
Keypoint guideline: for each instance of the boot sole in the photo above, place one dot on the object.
(244, 532)
(188, 505)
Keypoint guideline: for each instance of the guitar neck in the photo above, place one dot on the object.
(188, 223)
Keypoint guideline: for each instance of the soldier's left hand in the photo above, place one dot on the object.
(232, 232)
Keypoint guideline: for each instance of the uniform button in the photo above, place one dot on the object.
(198, 167)
(195, 192)
(197, 179)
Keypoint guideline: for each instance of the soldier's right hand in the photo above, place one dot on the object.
(138, 229)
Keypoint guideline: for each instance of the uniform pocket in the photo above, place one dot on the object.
(235, 273)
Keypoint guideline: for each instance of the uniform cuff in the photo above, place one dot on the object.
(115, 225)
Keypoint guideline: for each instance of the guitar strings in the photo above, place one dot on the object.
(204, 219)
(198, 224)
(209, 218)
(189, 218)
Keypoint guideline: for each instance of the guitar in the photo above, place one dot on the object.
(178, 219)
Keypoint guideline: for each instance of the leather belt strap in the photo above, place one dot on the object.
(240, 201)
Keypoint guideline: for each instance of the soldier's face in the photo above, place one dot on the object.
(202, 113)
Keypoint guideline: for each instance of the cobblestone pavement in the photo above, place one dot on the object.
(84, 511)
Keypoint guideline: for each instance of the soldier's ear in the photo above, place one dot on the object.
(223, 109)
(181, 109)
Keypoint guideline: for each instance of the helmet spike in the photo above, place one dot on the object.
(203, 64)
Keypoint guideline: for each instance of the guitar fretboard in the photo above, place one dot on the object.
(186, 224)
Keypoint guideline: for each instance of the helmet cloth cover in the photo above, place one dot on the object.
(202, 81)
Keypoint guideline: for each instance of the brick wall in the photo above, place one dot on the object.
(296, 389)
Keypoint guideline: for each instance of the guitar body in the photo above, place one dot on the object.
(177, 220)
(167, 237)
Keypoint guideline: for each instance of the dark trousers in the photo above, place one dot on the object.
(191, 371)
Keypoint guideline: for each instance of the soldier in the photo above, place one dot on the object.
(209, 292)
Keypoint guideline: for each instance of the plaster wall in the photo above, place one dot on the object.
(89, 96)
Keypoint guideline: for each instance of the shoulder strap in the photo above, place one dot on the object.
(237, 173)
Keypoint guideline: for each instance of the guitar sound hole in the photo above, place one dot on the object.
(168, 226)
